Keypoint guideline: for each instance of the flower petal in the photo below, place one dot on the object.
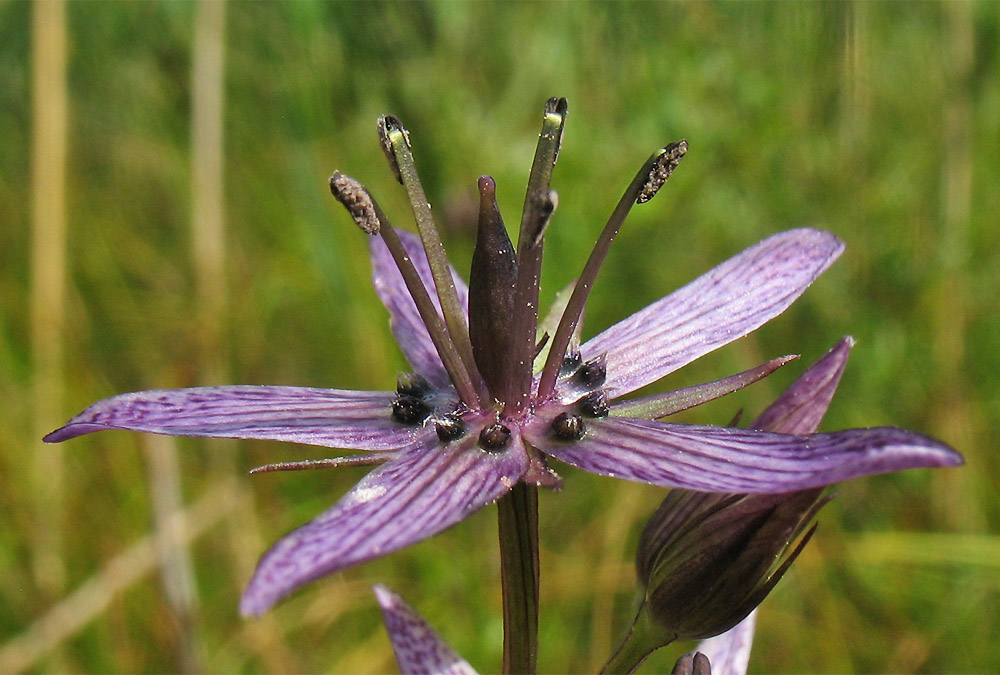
(728, 302)
(426, 489)
(729, 652)
(418, 647)
(334, 418)
(800, 408)
(725, 459)
(407, 327)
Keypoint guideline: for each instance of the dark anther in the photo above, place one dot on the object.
(664, 167)
(594, 404)
(410, 410)
(494, 437)
(568, 427)
(593, 373)
(412, 384)
(449, 428)
(571, 363)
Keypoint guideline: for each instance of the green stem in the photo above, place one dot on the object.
(642, 640)
(518, 519)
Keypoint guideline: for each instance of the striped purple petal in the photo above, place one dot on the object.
(407, 327)
(728, 302)
(334, 418)
(426, 489)
(725, 459)
(800, 408)
(419, 649)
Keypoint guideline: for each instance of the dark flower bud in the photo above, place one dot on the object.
(707, 560)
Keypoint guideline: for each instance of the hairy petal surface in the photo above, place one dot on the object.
(731, 300)
(333, 418)
(729, 652)
(418, 647)
(426, 489)
(725, 459)
(405, 321)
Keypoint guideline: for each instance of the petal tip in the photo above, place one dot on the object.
(254, 603)
(386, 597)
(57, 436)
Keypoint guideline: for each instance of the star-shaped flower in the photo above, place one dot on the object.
(476, 417)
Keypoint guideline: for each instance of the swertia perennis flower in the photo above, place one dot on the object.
(476, 417)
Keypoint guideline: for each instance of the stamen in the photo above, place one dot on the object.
(568, 427)
(660, 164)
(662, 405)
(494, 437)
(410, 410)
(395, 142)
(383, 136)
(594, 404)
(412, 384)
(449, 428)
(436, 329)
(669, 160)
(355, 197)
(538, 204)
(593, 373)
(571, 363)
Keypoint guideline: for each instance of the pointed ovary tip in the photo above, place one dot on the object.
(487, 189)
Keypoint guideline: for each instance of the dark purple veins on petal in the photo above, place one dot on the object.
(418, 647)
(358, 420)
(722, 459)
(427, 488)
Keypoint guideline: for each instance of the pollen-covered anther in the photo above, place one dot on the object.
(410, 410)
(449, 428)
(661, 171)
(494, 438)
(571, 363)
(593, 373)
(594, 404)
(355, 197)
(568, 427)
(412, 384)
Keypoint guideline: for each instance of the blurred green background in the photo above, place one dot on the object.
(166, 222)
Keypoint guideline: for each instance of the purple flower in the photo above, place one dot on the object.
(477, 417)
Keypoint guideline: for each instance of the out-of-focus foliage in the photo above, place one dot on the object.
(876, 121)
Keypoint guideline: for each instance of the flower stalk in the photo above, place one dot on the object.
(518, 521)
